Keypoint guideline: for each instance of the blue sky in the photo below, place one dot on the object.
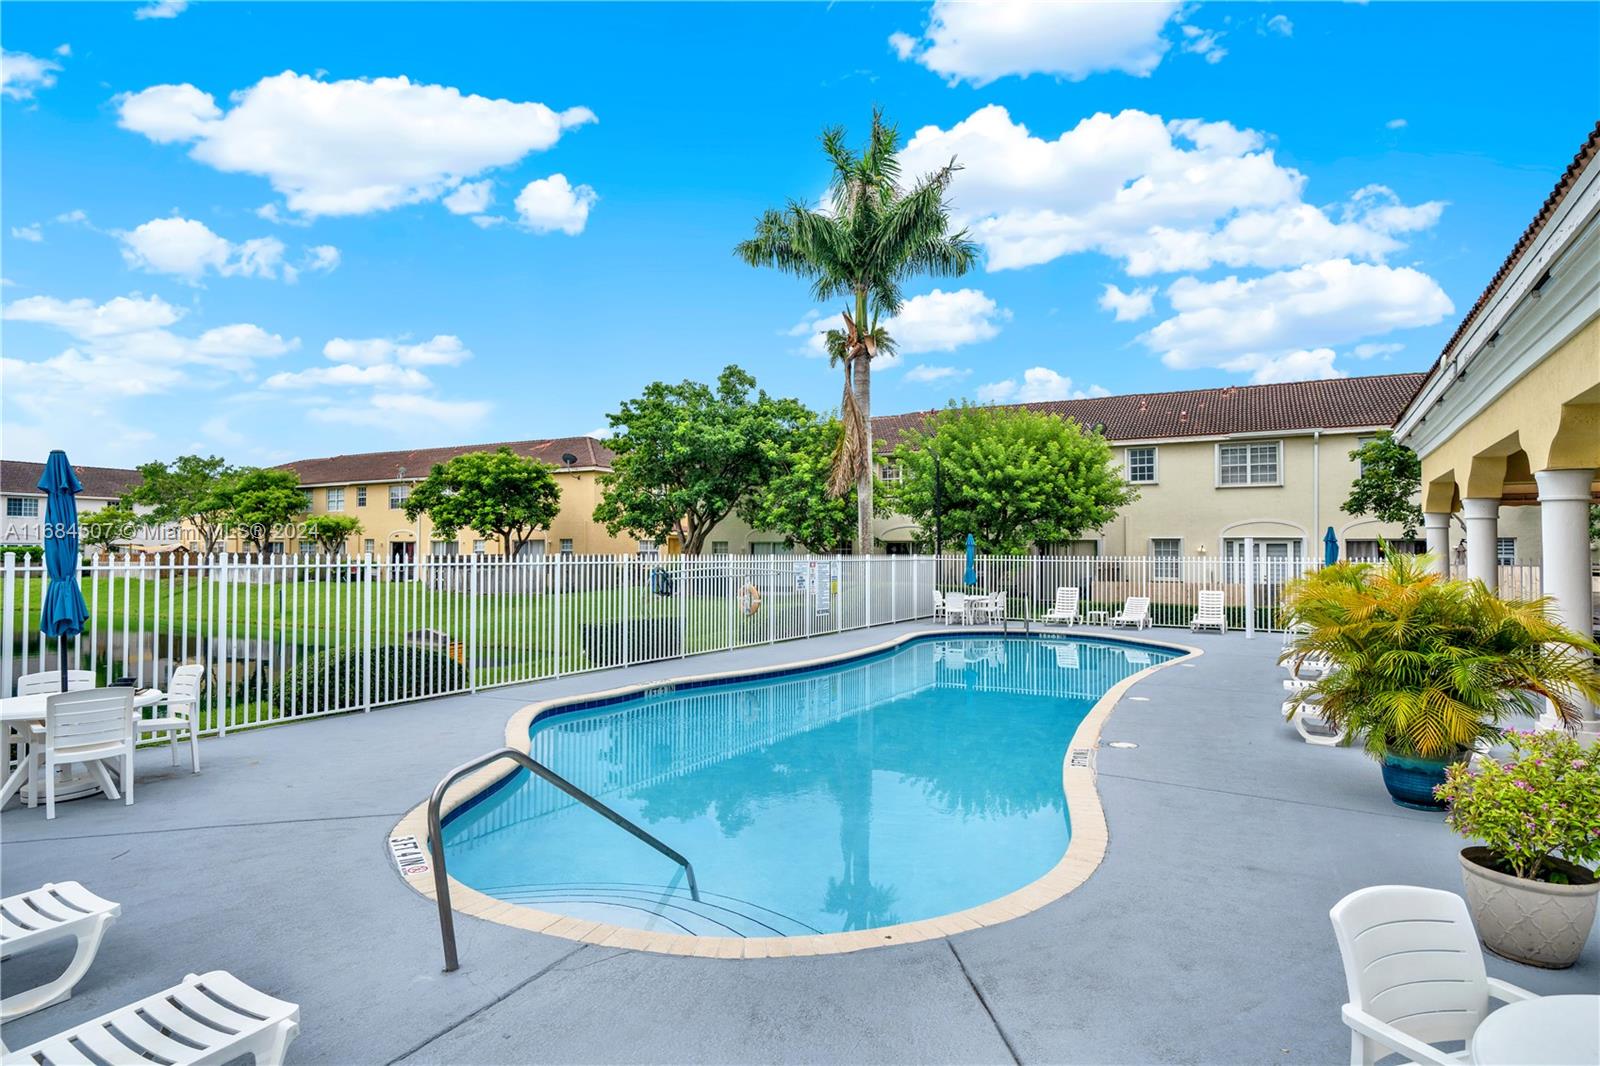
(233, 228)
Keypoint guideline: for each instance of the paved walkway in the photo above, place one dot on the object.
(1203, 938)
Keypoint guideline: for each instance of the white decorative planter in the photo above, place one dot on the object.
(1527, 921)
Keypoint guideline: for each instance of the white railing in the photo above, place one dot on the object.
(285, 638)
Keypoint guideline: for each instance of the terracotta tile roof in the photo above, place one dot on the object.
(19, 478)
(385, 466)
(1337, 403)
(1569, 178)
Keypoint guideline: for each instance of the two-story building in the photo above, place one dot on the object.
(1212, 467)
(373, 487)
(24, 508)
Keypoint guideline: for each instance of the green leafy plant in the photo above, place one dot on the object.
(330, 531)
(1387, 485)
(1542, 803)
(794, 500)
(498, 494)
(1426, 667)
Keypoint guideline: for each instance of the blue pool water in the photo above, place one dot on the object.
(903, 786)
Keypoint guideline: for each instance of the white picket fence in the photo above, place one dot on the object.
(284, 638)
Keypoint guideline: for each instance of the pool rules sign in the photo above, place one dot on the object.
(409, 856)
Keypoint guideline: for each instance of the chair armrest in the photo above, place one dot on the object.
(1506, 992)
(1392, 1038)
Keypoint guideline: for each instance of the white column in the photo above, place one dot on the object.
(1437, 530)
(1564, 535)
(1483, 518)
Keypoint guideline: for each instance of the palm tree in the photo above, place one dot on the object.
(870, 236)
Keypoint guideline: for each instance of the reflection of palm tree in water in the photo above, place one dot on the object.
(863, 904)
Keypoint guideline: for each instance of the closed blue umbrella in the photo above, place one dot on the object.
(63, 612)
(971, 576)
(1330, 548)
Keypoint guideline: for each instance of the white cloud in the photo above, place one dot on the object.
(1204, 43)
(348, 147)
(1303, 365)
(161, 9)
(22, 75)
(31, 233)
(937, 321)
(551, 204)
(471, 198)
(442, 350)
(1369, 351)
(384, 375)
(76, 217)
(1237, 324)
(1039, 384)
(923, 374)
(1396, 124)
(1160, 196)
(85, 320)
(978, 43)
(189, 250)
(321, 259)
(1280, 24)
(401, 412)
(1128, 306)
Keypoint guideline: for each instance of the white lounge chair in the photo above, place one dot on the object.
(1306, 716)
(35, 919)
(179, 714)
(90, 727)
(1065, 610)
(48, 681)
(207, 1020)
(1210, 614)
(1067, 656)
(1414, 973)
(1135, 612)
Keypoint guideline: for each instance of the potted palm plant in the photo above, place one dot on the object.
(1529, 885)
(1425, 669)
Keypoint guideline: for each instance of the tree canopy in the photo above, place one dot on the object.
(191, 489)
(258, 503)
(331, 531)
(1388, 483)
(104, 529)
(499, 494)
(1011, 477)
(794, 500)
(872, 235)
(686, 454)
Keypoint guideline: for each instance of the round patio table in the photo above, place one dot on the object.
(23, 711)
(1547, 1031)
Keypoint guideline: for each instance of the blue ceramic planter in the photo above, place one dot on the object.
(1411, 781)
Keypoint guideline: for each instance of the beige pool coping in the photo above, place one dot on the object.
(1085, 850)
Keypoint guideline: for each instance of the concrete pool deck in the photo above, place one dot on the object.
(1203, 936)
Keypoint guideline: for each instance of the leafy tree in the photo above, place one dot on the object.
(104, 529)
(330, 531)
(1009, 476)
(687, 454)
(498, 494)
(257, 502)
(190, 489)
(795, 500)
(1388, 484)
(872, 235)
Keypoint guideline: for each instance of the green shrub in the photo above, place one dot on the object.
(24, 552)
(328, 679)
(1543, 802)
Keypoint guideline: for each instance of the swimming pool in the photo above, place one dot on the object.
(905, 785)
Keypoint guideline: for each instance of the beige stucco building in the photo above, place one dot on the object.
(1507, 421)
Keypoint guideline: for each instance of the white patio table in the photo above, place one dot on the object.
(1545, 1031)
(21, 712)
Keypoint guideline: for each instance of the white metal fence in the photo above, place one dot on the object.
(283, 638)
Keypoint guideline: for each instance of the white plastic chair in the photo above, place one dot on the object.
(90, 727)
(992, 607)
(938, 605)
(1065, 610)
(205, 1021)
(31, 920)
(42, 684)
(1135, 612)
(1414, 973)
(955, 607)
(179, 714)
(1210, 614)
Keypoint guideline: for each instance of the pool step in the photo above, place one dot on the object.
(655, 908)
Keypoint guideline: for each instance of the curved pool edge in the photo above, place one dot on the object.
(1085, 850)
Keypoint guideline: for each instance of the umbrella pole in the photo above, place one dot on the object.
(61, 657)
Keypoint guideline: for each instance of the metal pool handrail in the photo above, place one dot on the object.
(441, 880)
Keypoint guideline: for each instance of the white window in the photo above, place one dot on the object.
(26, 507)
(1248, 464)
(891, 473)
(1276, 561)
(1505, 551)
(1362, 442)
(648, 549)
(770, 547)
(335, 500)
(274, 547)
(1142, 466)
(369, 546)
(1165, 551)
(443, 547)
(361, 495)
(480, 548)
(305, 499)
(398, 495)
(719, 547)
